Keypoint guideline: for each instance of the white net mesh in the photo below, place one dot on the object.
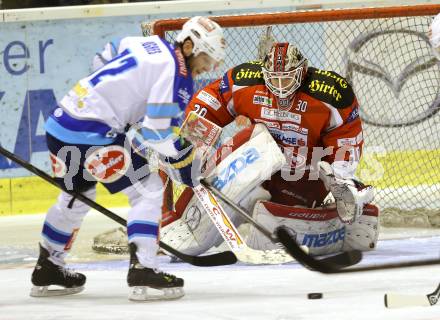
(396, 79)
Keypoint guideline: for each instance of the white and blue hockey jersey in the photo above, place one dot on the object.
(146, 83)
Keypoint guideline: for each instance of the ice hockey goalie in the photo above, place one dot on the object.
(313, 116)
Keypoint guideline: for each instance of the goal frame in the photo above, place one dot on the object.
(160, 27)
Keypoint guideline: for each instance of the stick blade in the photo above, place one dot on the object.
(217, 259)
(212, 260)
(396, 300)
(343, 259)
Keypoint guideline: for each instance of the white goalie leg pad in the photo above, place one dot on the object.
(194, 233)
(319, 229)
(254, 158)
(350, 199)
(364, 232)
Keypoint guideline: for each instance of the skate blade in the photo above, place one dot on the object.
(143, 293)
(44, 291)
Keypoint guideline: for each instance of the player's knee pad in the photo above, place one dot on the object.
(364, 232)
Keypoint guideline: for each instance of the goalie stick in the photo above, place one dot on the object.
(324, 267)
(396, 300)
(204, 134)
(217, 259)
(231, 235)
(288, 239)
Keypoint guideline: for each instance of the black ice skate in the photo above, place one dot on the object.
(46, 274)
(151, 284)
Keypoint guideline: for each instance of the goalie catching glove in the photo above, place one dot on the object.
(350, 195)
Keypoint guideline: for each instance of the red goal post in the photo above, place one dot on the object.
(160, 27)
(384, 52)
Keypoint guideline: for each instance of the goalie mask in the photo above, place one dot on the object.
(284, 68)
(207, 37)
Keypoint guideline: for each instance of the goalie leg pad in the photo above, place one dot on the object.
(319, 229)
(254, 156)
(193, 232)
(364, 232)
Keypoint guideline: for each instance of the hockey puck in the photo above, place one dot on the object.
(314, 295)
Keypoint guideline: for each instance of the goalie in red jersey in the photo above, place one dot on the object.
(313, 116)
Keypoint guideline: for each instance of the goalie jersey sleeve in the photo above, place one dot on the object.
(324, 112)
(146, 80)
(342, 131)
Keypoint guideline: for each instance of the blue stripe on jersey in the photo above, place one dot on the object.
(54, 235)
(71, 123)
(139, 228)
(162, 110)
(156, 135)
(75, 137)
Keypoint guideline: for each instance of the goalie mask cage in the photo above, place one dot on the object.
(385, 54)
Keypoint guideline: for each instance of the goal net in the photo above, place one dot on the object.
(386, 56)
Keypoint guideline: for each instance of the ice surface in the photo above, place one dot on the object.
(227, 293)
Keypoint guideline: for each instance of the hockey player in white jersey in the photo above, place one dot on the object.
(139, 94)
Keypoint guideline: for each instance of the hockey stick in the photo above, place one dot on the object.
(204, 134)
(231, 235)
(287, 237)
(396, 300)
(328, 265)
(222, 258)
(318, 265)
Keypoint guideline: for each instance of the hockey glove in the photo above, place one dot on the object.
(186, 166)
(350, 195)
